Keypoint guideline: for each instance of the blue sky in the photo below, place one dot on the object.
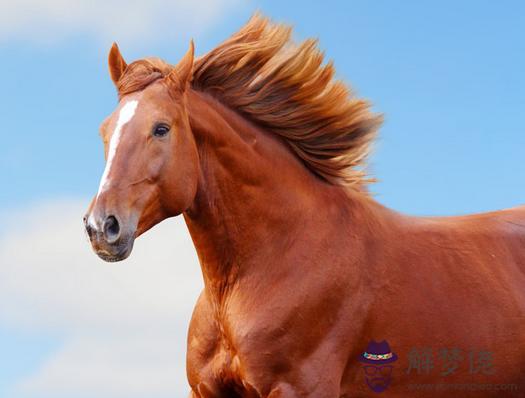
(448, 76)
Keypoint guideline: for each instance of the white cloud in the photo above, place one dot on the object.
(124, 324)
(121, 20)
(111, 368)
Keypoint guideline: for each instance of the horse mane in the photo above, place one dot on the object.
(286, 89)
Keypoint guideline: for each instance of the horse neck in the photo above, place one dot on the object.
(254, 196)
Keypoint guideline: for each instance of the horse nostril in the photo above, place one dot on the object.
(88, 227)
(89, 231)
(111, 229)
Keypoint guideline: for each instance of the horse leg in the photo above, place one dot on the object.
(283, 390)
(204, 391)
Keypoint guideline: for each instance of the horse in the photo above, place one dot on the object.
(310, 285)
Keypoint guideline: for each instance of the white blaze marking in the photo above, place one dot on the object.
(125, 115)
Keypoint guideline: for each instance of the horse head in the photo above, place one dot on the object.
(151, 157)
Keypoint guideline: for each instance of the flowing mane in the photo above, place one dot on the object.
(286, 89)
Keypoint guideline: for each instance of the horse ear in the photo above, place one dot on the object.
(180, 77)
(117, 65)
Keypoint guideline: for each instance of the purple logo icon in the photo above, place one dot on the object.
(377, 365)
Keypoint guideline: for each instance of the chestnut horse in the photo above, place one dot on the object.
(262, 151)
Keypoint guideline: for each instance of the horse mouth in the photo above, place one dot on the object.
(113, 254)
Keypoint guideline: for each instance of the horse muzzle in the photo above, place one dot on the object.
(111, 239)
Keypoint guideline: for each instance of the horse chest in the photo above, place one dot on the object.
(219, 369)
(215, 367)
(242, 354)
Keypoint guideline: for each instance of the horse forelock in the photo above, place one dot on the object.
(140, 74)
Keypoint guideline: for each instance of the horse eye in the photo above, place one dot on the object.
(161, 130)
